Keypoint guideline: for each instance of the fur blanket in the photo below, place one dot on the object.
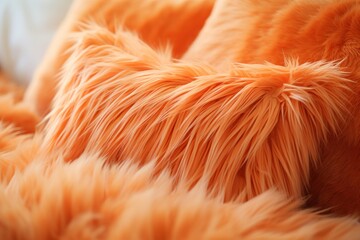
(188, 120)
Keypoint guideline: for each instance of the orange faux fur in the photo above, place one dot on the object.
(160, 23)
(309, 31)
(138, 145)
(8, 87)
(12, 110)
(246, 31)
(229, 126)
(44, 198)
(85, 200)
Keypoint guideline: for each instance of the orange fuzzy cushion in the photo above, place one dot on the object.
(187, 142)
(85, 200)
(246, 130)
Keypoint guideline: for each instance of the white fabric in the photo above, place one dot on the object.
(26, 29)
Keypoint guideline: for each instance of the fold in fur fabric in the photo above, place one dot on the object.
(16, 152)
(17, 114)
(246, 130)
(12, 110)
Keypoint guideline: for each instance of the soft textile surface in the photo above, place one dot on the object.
(229, 127)
(187, 120)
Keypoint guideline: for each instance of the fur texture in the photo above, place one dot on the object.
(12, 110)
(260, 31)
(8, 87)
(141, 146)
(159, 23)
(230, 126)
(128, 202)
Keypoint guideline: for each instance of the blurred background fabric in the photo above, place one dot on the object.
(26, 29)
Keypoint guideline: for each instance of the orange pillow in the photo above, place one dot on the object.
(244, 130)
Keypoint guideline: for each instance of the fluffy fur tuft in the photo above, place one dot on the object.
(17, 114)
(128, 202)
(12, 110)
(158, 23)
(329, 30)
(247, 130)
